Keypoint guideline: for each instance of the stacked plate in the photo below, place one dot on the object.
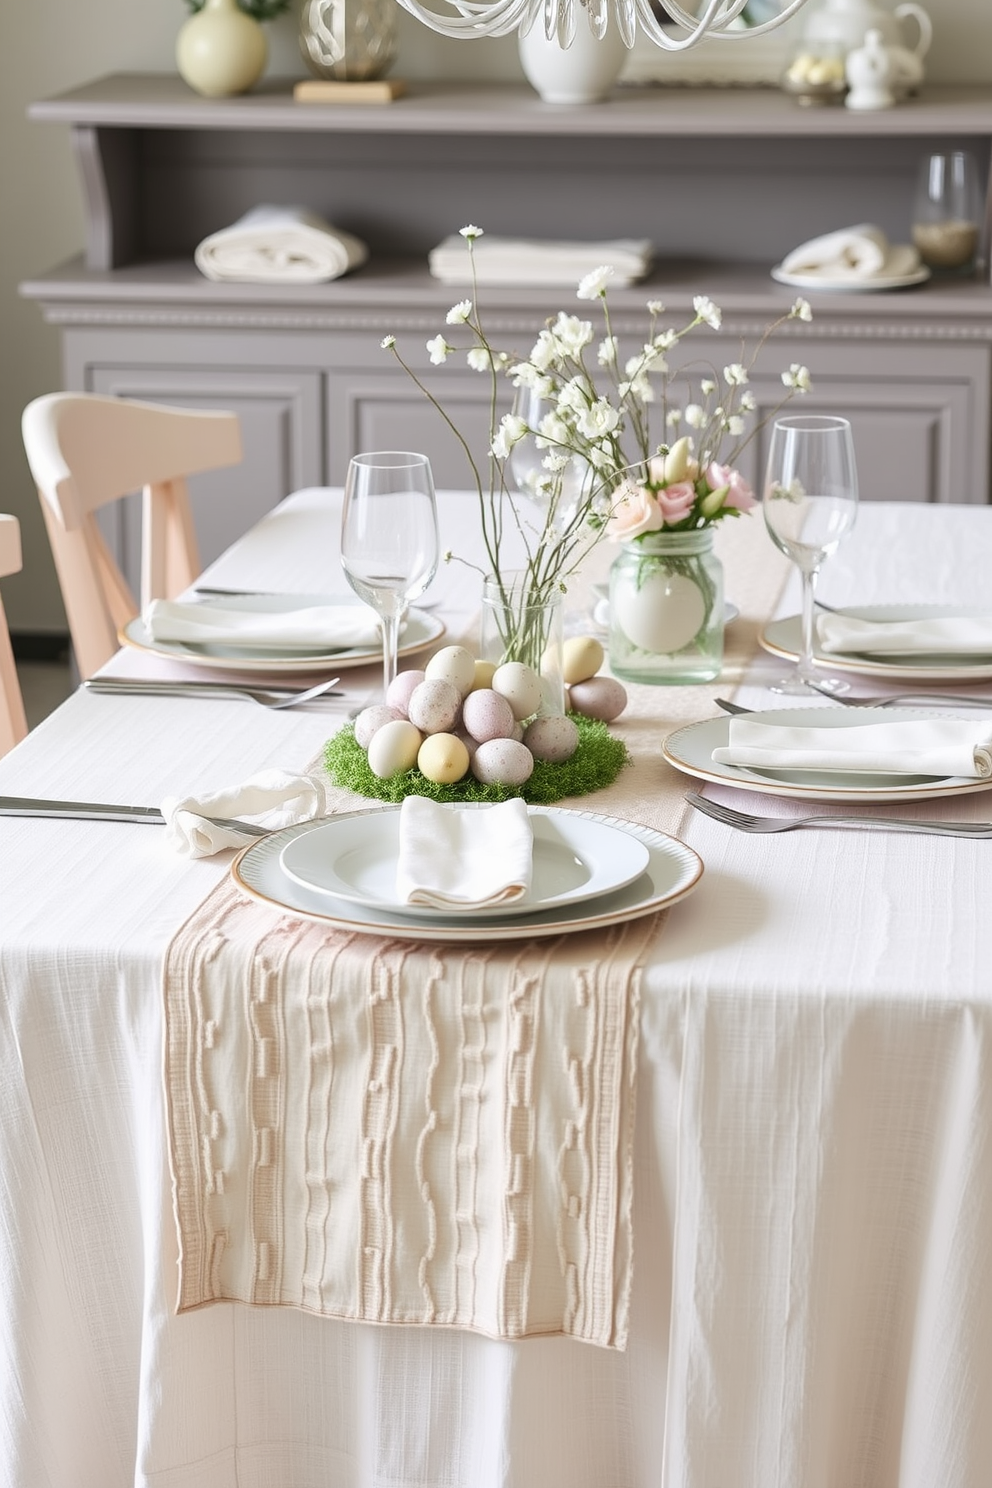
(589, 871)
(784, 638)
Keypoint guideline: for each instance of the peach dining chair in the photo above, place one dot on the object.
(13, 724)
(85, 451)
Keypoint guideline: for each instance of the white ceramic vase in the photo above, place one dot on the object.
(581, 73)
(221, 50)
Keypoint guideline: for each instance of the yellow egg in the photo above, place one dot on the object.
(582, 657)
(484, 671)
(443, 758)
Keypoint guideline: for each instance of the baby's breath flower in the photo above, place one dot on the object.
(673, 418)
(694, 415)
(510, 432)
(470, 233)
(439, 350)
(707, 386)
(387, 343)
(571, 334)
(735, 426)
(479, 359)
(665, 340)
(607, 352)
(797, 378)
(655, 307)
(602, 418)
(707, 311)
(593, 285)
(735, 375)
(459, 314)
(801, 309)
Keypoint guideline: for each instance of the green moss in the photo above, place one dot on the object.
(595, 764)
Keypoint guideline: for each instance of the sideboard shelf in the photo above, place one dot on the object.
(722, 182)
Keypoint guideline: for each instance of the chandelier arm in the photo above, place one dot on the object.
(501, 17)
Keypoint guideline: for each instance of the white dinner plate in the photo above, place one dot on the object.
(784, 638)
(575, 859)
(420, 630)
(673, 871)
(852, 286)
(691, 749)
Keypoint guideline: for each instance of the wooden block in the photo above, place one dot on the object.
(321, 90)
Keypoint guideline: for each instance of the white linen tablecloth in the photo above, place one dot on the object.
(812, 1300)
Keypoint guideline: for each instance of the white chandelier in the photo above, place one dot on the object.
(718, 18)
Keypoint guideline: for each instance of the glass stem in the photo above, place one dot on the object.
(807, 666)
(390, 645)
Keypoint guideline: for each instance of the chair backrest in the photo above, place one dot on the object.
(84, 451)
(13, 724)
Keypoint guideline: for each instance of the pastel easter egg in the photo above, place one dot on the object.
(502, 762)
(599, 697)
(455, 665)
(370, 720)
(394, 748)
(443, 758)
(486, 715)
(581, 657)
(399, 690)
(484, 671)
(520, 685)
(435, 706)
(554, 739)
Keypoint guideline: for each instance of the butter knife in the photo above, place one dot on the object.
(97, 811)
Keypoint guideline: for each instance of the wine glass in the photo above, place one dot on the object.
(389, 538)
(810, 503)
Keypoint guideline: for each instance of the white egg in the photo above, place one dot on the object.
(370, 720)
(581, 658)
(394, 748)
(455, 665)
(599, 697)
(554, 739)
(399, 690)
(520, 685)
(435, 706)
(502, 762)
(443, 758)
(486, 715)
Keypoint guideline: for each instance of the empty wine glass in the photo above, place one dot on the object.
(810, 503)
(389, 538)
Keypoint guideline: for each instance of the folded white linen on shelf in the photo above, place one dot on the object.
(536, 261)
(952, 635)
(279, 245)
(924, 746)
(273, 799)
(450, 858)
(314, 627)
(856, 253)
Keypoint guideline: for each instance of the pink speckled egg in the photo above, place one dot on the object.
(502, 762)
(486, 715)
(372, 719)
(399, 690)
(554, 739)
(598, 697)
(435, 706)
(455, 665)
(520, 685)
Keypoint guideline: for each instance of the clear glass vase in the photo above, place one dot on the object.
(666, 609)
(522, 621)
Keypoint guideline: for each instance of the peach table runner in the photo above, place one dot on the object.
(401, 1133)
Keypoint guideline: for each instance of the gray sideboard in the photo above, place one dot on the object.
(723, 182)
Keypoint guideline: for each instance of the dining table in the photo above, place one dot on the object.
(810, 1300)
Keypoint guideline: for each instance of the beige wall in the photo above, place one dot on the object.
(50, 47)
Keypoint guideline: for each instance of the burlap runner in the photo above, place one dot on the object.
(396, 1133)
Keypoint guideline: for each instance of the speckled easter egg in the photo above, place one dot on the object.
(502, 762)
(483, 674)
(370, 720)
(581, 658)
(399, 690)
(599, 697)
(554, 739)
(443, 758)
(394, 748)
(520, 685)
(486, 715)
(435, 706)
(455, 665)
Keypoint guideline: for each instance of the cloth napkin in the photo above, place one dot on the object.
(317, 627)
(852, 253)
(954, 635)
(272, 799)
(279, 245)
(925, 746)
(454, 859)
(532, 261)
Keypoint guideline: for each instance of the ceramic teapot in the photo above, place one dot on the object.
(847, 23)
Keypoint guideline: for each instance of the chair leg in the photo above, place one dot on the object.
(13, 723)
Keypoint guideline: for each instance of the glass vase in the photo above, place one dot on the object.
(666, 609)
(522, 621)
(348, 40)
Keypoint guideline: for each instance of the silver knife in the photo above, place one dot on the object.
(97, 811)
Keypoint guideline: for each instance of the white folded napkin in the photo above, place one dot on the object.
(316, 628)
(855, 253)
(536, 261)
(953, 635)
(271, 799)
(279, 245)
(923, 746)
(455, 859)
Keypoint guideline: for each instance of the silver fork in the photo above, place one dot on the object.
(745, 821)
(266, 696)
(886, 700)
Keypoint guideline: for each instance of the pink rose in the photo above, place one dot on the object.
(739, 494)
(634, 511)
(676, 501)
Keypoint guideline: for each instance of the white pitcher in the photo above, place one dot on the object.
(847, 23)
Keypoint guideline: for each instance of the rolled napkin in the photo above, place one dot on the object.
(852, 253)
(450, 858)
(271, 799)
(315, 628)
(535, 261)
(918, 746)
(951, 635)
(279, 245)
